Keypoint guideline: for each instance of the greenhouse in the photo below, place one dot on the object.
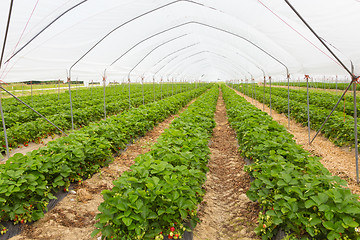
(183, 119)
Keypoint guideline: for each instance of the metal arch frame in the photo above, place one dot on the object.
(246, 58)
(187, 57)
(193, 55)
(193, 64)
(179, 50)
(229, 60)
(158, 46)
(199, 23)
(233, 72)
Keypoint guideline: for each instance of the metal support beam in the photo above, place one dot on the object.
(33, 110)
(308, 104)
(5, 134)
(270, 97)
(104, 82)
(71, 106)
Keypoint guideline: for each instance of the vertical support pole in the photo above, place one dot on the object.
(31, 93)
(142, 83)
(71, 107)
(172, 86)
(308, 104)
(336, 79)
(129, 93)
(270, 96)
(92, 83)
(288, 82)
(252, 91)
(4, 127)
(76, 86)
(264, 93)
(167, 88)
(255, 89)
(154, 87)
(58, 89)
(104, 82)
(161, 87)
(356, 132)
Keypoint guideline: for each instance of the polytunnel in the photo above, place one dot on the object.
(83, 80)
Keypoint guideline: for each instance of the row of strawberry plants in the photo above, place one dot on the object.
(23, 133)
(50, 105)
(28, 182)
(323, 85)
(164, 186)
(324, 100)
(22, 115)
(339, 128)
(86, 94)
(295, 191)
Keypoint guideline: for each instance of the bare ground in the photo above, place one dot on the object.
(226, 213)
(339, 161)
(74, 217)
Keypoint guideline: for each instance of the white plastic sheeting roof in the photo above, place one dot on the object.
(209, 40)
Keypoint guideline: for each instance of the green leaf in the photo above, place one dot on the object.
(271, 213)
(183, 214)
(161, 211)
(349, 221)
(139, 204)
(333, 235)
(133, 198)
(127, 221)
(309, 203)
(329, 215)
(351, 209)
(328, 225)
(152, 215)
(315, 221)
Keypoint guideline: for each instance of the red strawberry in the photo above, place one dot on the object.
(172, 229)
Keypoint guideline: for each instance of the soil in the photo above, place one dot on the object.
(226, 213)
(340, 161)
(74, 217)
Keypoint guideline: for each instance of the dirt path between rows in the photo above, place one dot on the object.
(339, 161)
(74, 217)
(226, 213)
